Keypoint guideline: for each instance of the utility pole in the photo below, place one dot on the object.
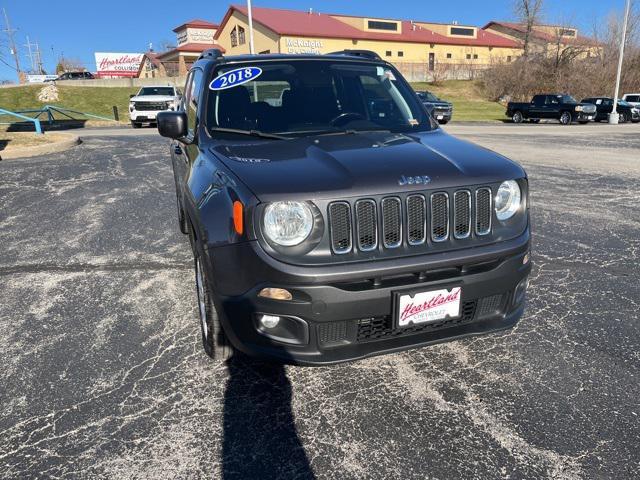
(39, 59)
(12, 45)
(31, 57)
(614, 117)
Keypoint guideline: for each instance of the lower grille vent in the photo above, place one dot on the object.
(382, 327)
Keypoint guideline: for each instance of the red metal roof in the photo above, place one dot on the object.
(304, 24)
(191, 48)
(196, 23)
(544, 36)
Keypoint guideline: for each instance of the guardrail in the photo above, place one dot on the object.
(35, 121)
(49, 110)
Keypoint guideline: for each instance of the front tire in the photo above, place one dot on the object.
(565, 118)
(214, 340)
(443, 122)
(136, 124)
(517, 117)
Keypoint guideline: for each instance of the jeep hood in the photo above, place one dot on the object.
(332, 166)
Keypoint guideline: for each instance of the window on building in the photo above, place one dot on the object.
(241, 38)
(509, 58)
(467, 32)
(449, 55)
(475, 56)
(380, 25)
(567, 32)
(234, 37)
(401, 53)
(468, 56)
(387, 53)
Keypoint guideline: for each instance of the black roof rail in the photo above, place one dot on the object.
(210, 53)
(358, 53)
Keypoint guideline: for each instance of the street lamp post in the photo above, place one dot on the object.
(614, 117)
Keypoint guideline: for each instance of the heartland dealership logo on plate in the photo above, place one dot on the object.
(429, 306)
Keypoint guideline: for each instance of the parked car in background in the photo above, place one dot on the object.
(439, 109)
(563, 108)
(72, 76)
(632, 98)
(145, 105)
(604, 106)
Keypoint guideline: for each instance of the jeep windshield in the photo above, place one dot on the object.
(165, 91)
(291, 97)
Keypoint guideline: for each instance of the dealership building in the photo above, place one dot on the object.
(420, 49)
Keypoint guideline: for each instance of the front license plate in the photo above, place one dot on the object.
(425, 307)
(440, 117)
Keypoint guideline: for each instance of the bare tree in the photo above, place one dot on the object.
(529, 13)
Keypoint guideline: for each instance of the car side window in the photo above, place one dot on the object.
(191, 99)
(539, 100)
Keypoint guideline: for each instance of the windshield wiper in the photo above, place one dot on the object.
(253, 133)
(346, 131)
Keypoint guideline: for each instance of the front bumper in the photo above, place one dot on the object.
(585, 117)
(348, 317)
(144, 115)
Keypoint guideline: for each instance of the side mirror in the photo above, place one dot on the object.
(132, 95)
(172, 124)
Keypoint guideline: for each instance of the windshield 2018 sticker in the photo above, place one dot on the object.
(235, 77)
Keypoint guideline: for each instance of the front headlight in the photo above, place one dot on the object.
(579, 108)
(287, 223)
(507, 201)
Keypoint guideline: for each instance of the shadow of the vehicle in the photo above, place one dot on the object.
(260, 437)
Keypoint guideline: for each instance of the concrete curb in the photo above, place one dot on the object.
(60, 146)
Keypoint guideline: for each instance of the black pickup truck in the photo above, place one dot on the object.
(564, 108)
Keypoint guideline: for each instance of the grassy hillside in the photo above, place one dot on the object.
(469, 103)
(467, 98)
(96, 100)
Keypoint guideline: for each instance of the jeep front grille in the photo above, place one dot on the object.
(483, 211)
(340, 226)
(439, 217)
(462, 214)
(367, 226)
(417, 219)
(391, 222)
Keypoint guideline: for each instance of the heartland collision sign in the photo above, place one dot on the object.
(117, 64)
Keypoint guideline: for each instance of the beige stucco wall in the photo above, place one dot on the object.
(412, 52)
(263, 38)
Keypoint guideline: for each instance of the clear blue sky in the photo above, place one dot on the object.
(78, 28)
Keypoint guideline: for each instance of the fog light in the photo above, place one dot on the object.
(269, 321)
(525, 259)
(275, 293)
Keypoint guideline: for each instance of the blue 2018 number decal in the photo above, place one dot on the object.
(235, 77)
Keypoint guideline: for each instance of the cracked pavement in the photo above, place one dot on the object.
(103, 375)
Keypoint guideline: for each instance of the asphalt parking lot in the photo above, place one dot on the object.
(103, 373)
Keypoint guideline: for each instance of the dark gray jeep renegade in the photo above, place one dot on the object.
(331, 219)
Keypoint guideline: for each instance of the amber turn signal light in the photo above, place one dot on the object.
(238, 217)
(275, 294)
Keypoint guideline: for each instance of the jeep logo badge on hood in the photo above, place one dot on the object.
(418, 180)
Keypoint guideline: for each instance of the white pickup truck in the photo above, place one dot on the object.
(145, 105)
